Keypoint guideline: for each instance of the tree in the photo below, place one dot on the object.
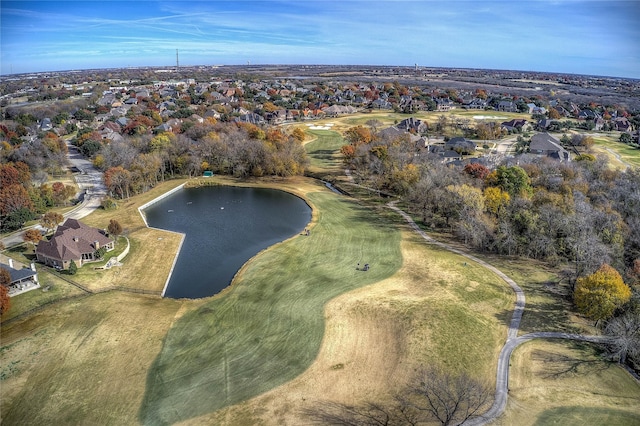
(73, 268)
(32, 236)
(358, 135)
(114, 228)
(50, 220)
(495, 199)
(513, 180)
(448, 399)
(5, 277)
(626, 138)
(625, 337)
(5, 300)
(598, 295)
(432, 396)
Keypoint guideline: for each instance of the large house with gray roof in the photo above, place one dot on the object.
(75, 241)
(547, 145)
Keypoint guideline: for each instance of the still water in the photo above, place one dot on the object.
(224, 227)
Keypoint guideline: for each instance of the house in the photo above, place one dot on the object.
(535, 109)
(476, 103)
(414, 125)
(22, 280)
(46, 125)
(444, 104)
(507, 106)
(515, 125)
(621, 124)
(73, 241)
(545, 144)
(460, 145)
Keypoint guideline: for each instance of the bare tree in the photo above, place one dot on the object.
(447, 398)
(433, 395)
(625, 337)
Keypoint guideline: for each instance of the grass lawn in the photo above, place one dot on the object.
(568, 383)
(620, 154)
(52, 288)
(324, 152)
(434, 310)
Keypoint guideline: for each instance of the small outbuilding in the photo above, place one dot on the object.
(22, 279)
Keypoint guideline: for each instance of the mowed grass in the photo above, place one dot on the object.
(268, 327)
(556, 382)
(434, 311)
(324, 151)
(621, 155)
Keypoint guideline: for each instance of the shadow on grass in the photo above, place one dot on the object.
(580, 416)
(540, 316)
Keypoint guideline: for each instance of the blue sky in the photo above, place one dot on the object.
(572, 36)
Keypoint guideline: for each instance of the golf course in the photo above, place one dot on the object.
(301, 323)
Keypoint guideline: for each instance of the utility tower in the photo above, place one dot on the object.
(177, 61)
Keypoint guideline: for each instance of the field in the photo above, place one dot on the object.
(568, 383)
(299, 325)
(620, 155)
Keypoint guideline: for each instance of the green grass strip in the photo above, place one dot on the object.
(267, 329)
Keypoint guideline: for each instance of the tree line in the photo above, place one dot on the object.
(582, 214)
(137, 163)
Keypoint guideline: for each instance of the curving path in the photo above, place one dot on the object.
(91, 188)
(513, 341)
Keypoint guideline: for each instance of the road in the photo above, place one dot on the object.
(91, 190)
(513, 340)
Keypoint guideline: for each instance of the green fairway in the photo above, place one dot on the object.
(622, 153)
(268, 327)
(324, 151)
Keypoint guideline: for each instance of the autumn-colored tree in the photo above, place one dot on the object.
(14, 198)
(32, 236)
(5, 300)
(476, 170)
(50, 220)
(349, 152)
(62, 192)
(553, 114)
(114, 227)
(118, 181)
(495, 199)
(598, 295)
(5, 277)
(298, 134)
(358, 135)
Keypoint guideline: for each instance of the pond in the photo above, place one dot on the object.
(224, 227)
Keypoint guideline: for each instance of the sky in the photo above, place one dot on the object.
(592, 37)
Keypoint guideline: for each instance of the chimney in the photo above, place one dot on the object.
(33, 267)
(10, 263)
(96, 245)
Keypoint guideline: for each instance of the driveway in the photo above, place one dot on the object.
(91, 191)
